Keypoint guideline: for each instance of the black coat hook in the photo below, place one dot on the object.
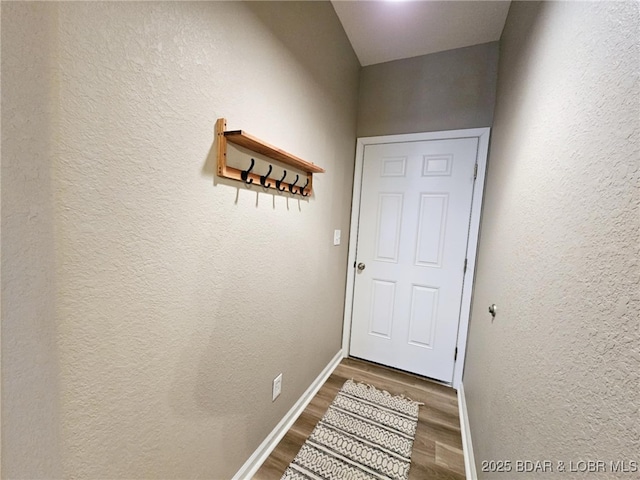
(263, 178)
(245, 173)
(291, 185)
(278, 182)
(301, 192)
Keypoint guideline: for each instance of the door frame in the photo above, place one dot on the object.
(482, 134)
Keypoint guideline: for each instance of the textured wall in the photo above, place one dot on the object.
(30, 411)
(177, 300)
(441, 91)
(555, 375)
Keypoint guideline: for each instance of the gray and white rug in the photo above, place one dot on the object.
(365, 434)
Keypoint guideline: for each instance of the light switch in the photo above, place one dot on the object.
(336, 237)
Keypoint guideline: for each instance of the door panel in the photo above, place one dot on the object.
(381, 313)
(388, 227)
(415, 208)
(431, 227)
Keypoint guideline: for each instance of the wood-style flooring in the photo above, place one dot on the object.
(437, 449)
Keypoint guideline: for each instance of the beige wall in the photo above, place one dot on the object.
(30, 367)
(441, 91)
(177, 301)
(555, 375)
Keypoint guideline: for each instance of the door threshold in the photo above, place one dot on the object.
(405, 372)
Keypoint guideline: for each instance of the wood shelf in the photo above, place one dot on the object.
(243, 139)
(255, 145)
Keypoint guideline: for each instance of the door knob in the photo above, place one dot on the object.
(361, 266)
(493, 309)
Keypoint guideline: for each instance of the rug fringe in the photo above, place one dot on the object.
(369, 386)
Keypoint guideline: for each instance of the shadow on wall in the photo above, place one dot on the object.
(295, 28)
(209, 387)
(222, 346)
(518, 81)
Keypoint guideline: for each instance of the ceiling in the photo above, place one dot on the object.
(385, 30)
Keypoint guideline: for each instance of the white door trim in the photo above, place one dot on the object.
(482, 134)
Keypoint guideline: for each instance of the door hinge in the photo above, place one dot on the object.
(455, 354)
(475, 171)
(464, 269)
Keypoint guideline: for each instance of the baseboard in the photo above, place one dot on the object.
(467, 447)
(258, 457)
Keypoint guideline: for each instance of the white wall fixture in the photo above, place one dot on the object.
(277, 387)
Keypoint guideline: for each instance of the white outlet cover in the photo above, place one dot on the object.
(277, 387)
(336, 237)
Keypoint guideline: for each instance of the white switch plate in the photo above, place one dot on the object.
(336, 237)
(277, 387)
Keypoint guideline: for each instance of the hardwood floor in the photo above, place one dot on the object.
(437, 449)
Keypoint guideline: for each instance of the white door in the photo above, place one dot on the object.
(415, 209)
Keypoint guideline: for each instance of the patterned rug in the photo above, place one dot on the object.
(365, 434)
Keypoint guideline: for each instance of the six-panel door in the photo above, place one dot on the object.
(415, 210)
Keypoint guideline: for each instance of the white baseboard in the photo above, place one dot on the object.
(467, 447)
(256, 460)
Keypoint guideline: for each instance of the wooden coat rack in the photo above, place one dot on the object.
(250, 142)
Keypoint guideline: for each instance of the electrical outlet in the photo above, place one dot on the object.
(336, 237)
(277, 387)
